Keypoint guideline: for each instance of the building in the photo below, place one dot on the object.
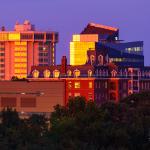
(110, 69)
(29, 97)
(102, 68)
(105, 40)
(24, 47)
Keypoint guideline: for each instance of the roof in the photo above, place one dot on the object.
(93, 28)
(103, 26)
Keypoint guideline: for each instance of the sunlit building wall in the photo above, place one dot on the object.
(24, 47)
(79, 47)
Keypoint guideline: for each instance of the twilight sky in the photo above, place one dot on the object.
(71, 16)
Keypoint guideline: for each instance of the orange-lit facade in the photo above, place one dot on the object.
(36, 96)
(101, 68)
(24, 47)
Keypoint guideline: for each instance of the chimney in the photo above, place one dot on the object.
(63, 65)
(3, 28)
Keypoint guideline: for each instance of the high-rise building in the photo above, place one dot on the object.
(105, 40)
(87, 40)
(24, 47)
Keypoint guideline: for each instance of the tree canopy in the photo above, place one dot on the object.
(81, 125)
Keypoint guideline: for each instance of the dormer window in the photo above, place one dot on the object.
(56, 73)
(35, 74)
(100, 60)
(69, 73)
(89, 73)
(113, 73)
(46, 73)
(76, 73)
(92, 59)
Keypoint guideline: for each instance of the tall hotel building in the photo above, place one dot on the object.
(24, 47)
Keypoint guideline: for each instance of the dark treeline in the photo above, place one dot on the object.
(81, 125)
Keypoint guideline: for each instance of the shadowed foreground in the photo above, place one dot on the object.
(81, 125)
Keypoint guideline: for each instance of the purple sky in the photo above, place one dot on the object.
(71, 16)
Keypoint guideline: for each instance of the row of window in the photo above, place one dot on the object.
(56, 73)
(12, 102)
(90, 95)
(43, 60)
(43, 54)
(77, 85)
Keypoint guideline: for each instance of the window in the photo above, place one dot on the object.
(28, 102)
(56, 73)
(77, 85)
(69, 73)
(90, 85)
(89, 73)
(69, 94)
(69, 85)
(100, 59)
(76, 94)
(26, 36)
(2, 60)
(90, 96)
(49, 36)
(8, 102)
(38, 36)
(35, 73)
(112, 86)
(76, 73)
(113, 73)
(92, 59)
(46, 73)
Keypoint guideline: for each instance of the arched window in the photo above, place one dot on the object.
(35, 74)
(76, 73)
(92, 59)
(89, 73)
(113, 73)
(46, 73)
(56, 73)
(69, 73)
(100, 60)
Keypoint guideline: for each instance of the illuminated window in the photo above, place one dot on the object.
(90, 85)
(20, 59)
(76, 73)
(14, 36)
(35, 73)
(20, 54)
(18, 65)
(56, 73)
(69, 94)
(21, 43)
(69, 73)
(77, 85)
(46, 73)
(76, 94)
(70, 85)
(89, 73)
(20, 71)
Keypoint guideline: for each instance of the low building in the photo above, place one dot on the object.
(34, 96)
